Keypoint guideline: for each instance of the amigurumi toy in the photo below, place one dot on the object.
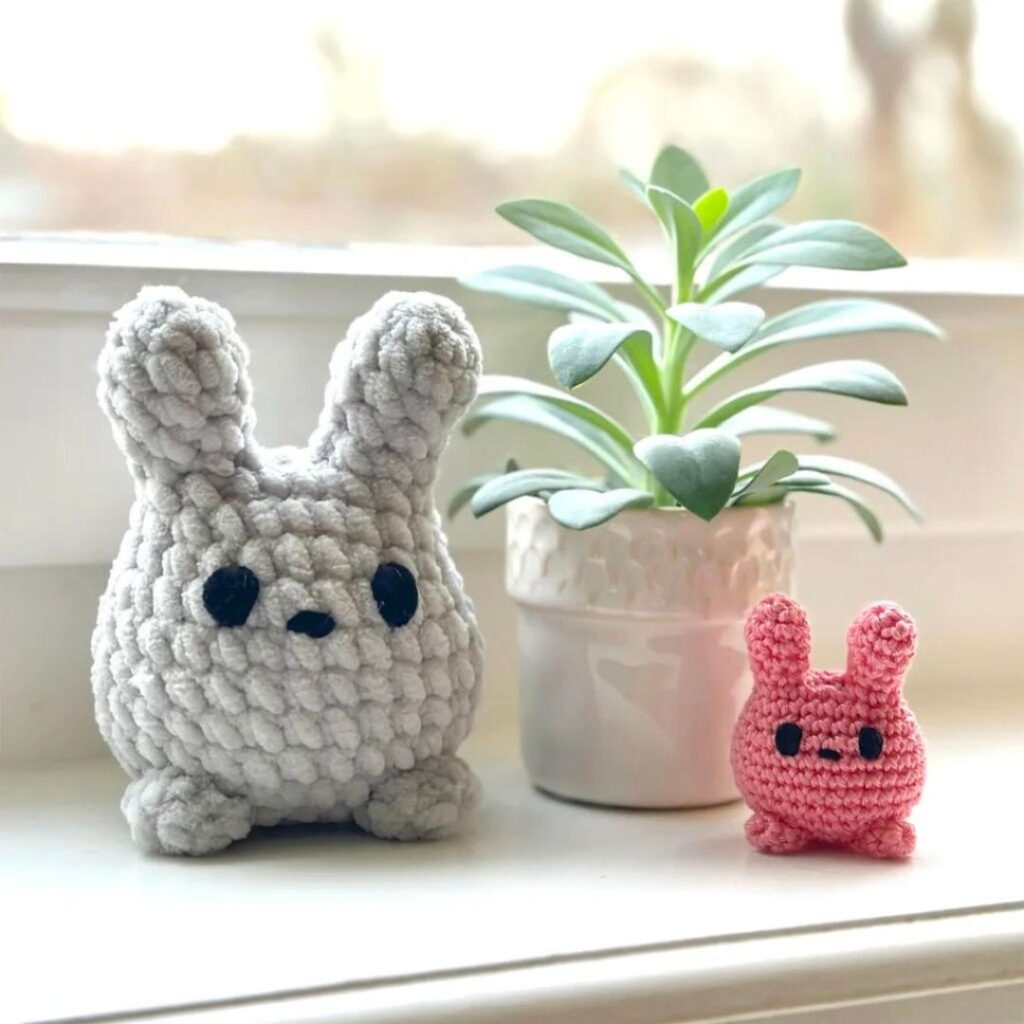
(823, 756)
(284, 636)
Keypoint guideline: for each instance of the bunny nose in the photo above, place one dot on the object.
(829, 754)
(314, 624)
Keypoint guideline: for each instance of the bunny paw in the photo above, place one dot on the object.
(771, 835)
(425, 802)
(890, 840)
(174, 813)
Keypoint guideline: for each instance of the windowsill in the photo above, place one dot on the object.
(938, 277)
(543, 908)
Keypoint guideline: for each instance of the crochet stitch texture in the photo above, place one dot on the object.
(826, 756)
(284, 636)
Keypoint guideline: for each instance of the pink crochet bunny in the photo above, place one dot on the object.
(826, 756)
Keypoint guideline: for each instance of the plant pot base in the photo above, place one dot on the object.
(630, 711)
(604, 805)
(632, 661)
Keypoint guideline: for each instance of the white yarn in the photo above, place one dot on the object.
(226, 727)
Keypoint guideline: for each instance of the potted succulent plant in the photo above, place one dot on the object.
(632, 585)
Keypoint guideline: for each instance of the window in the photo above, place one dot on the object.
(319, 123)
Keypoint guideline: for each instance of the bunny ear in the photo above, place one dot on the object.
(174, 385)
(404, 374)
(779, 643)
(880, 646)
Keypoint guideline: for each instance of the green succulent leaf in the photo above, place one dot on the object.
(806, 478)
(578, 351)
(499, 385)
(505, 487)
(768, 473)
(635, 184)
(862, 473)
(737, 281)
(710, 209)
(732, 252)
(462, 496)
(817, 320)
(677, 217)
(678, 172)
(548, 288)
(564, 227)
(835, 244)
(864, 512)
(757, 199)
(727, 325)
(773, 496)
(794, 476)
(767, 419)
(833, 317)
(683, 230)
(581, 509)
(698, 469)
(530, 411)
(853, 378)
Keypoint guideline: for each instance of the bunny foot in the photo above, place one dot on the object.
(174, 813)
(889, 840)
(772, 835)
(425, 802)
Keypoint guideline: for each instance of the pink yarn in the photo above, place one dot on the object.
(857, 793)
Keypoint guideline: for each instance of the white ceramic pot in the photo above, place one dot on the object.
(632, 662)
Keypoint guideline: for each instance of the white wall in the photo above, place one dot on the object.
(66, 493)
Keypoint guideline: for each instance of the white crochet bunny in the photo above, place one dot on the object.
(284, 636)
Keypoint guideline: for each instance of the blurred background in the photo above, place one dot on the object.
(318, 123)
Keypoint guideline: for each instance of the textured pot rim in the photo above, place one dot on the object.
(684, 514)
(688, 572)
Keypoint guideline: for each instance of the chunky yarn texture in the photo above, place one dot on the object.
(284, 636)
(829, 757)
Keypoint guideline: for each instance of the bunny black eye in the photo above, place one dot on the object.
(870, 743)
(394, 590)
(787, 739)
(230, 593)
